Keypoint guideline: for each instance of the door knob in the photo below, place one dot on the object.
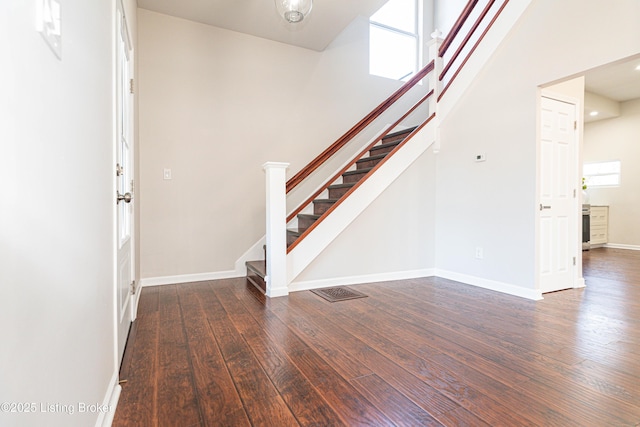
(126, 197)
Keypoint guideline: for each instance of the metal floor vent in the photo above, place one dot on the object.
(339, 293)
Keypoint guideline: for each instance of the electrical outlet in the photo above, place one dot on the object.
(479, 253)
(167, 174)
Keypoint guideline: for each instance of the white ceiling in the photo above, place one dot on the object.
(618, 81)
(259, 18)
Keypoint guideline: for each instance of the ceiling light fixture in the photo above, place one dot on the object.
(593, 113)
(638, 68)
(294, 11)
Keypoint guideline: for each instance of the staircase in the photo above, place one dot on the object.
(256, 270)
(366, 172)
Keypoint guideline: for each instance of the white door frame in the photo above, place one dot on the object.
(576, 219)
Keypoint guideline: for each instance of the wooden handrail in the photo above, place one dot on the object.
(466, 12)
(358, 184)
(355, 159)
(475, 26)
(486, 30)
(344, 139)
(380, 109)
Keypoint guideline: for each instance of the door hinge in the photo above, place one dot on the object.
(574, 261)
(575, 123)
(133, 287)
(574, 193)
(131, 86)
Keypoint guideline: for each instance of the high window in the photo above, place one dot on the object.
(394, 40)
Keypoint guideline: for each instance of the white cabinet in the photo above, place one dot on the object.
(599, 225)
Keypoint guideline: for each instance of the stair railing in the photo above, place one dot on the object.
(463, 25)
(353, 162)
(424, 72)
(478, 15)
(357, 128)
(465, 36)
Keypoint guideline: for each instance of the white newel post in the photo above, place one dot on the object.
(276, 234)
(434, 82)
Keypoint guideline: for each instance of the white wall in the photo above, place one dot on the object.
(57, 214)
(492, 204)
(214, 106)
(617, 139)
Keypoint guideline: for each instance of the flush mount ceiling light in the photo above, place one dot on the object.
(293, 11)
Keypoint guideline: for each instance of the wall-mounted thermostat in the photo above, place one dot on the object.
(480, 158)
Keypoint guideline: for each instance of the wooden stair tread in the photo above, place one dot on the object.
(296, 231)
(258, 267)
(355, 172)
(256, 273)
(308, 216)
(325, 200)
(386, 145)
(347, 185)
(374, 157)
(399, 133)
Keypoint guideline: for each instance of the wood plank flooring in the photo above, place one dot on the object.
(424, 352)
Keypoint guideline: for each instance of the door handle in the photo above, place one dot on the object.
(126, 197)
(543, 207)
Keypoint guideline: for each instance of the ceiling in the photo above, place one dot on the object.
(619, 81)
(259, 18)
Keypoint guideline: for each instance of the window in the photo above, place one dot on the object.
(393, 40)
(602, 174)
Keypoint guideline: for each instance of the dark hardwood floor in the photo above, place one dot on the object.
(413, 353)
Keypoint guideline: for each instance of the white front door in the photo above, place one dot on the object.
(557, 197)
(124, 183)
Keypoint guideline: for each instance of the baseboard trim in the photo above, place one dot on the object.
(105, 419)
(493, 285)
(187, 278)
(622, 246)
(357, 280)
(305, 285)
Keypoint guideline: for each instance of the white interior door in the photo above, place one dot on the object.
(124, 183)
(557, 198)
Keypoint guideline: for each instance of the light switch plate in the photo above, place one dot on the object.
(49, 24)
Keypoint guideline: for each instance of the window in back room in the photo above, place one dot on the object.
(602, 174)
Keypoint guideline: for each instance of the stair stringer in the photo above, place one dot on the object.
(344, 214)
